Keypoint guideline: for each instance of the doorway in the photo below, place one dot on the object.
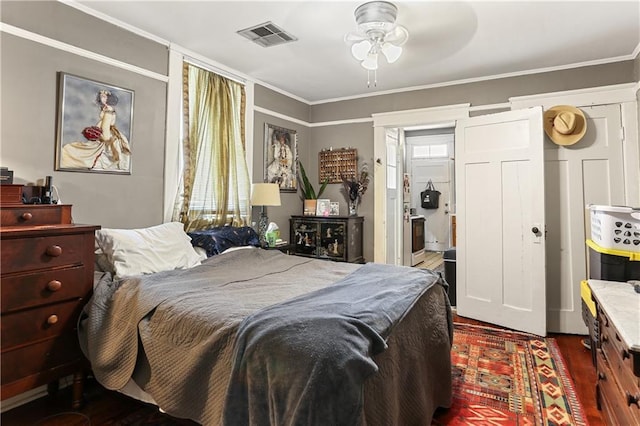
(429, 158)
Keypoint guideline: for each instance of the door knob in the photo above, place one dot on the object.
(535, 230)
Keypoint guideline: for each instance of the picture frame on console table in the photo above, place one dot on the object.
(334, 210)
(323, 207)
(94, 126)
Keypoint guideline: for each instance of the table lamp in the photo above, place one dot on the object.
(263, 195)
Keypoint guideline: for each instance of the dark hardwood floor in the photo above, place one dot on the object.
(103, 407)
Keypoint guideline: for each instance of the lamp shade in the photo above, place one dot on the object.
(265, 194)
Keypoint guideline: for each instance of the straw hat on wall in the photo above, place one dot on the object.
(564, 124)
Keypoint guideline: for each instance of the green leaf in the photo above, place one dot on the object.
(324, 185)
(307, 189)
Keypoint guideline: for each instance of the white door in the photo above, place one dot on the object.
(589, 172)
(500, 258)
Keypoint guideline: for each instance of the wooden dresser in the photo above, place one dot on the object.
(618, 357)
(46, 277)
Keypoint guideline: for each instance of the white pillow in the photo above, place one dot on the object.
(147, 250)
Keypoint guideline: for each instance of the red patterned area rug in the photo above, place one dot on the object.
(508, 378)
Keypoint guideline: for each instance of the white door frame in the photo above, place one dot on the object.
(437, 117)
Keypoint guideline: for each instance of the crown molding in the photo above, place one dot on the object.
(616, 93)
(485, 78)
(138, 31)
(37, 38)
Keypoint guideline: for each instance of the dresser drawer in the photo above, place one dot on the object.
(38, 288)
(618, 356)
(36, 324)
(24, 254)
(35, 214)
(39, 357)
(613, 400)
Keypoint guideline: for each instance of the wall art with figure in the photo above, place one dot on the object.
(280, 157)
(94, 126)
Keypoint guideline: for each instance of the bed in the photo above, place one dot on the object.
(257, 337)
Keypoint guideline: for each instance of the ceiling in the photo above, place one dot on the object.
(448, 41)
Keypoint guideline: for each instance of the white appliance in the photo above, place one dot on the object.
(414, 240)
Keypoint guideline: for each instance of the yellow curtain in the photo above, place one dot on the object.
(215, 185)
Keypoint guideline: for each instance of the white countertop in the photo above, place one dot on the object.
(622, 305)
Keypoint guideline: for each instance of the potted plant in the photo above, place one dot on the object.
(309, 195)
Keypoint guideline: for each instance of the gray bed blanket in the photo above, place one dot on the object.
(304, 361)
(179, 327)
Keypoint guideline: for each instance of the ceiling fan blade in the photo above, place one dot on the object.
(352, 36)
(398, 36)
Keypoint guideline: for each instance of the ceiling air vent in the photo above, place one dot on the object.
(267, 34)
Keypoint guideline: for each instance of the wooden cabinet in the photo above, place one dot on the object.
(336, 238)
(46, 278)
(618, 356)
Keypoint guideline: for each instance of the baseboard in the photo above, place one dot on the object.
(31, 395)
(23, 398)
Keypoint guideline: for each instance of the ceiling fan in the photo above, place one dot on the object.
(377, 33)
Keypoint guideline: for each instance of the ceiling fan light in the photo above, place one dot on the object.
(391, 52)
(371, 62)
(361, 50)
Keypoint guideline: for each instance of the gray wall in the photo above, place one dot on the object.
(29, 102)
(291, 201)
(360, 136)
(479, 93)
(29, 84)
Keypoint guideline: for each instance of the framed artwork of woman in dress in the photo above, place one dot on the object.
(94, 126)
(280, 157)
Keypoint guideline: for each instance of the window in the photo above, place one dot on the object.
(431, 151)
(215, 184)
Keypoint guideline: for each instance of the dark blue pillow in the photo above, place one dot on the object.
(217, 240)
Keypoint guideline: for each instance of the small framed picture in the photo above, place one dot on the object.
(334, 210)
(323, 207)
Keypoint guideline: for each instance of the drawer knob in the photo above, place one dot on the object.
(52, 319)
(632, 399)
(605, 338)
(601, 376)
(54, 251)
(54, 285)
(26, 216)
